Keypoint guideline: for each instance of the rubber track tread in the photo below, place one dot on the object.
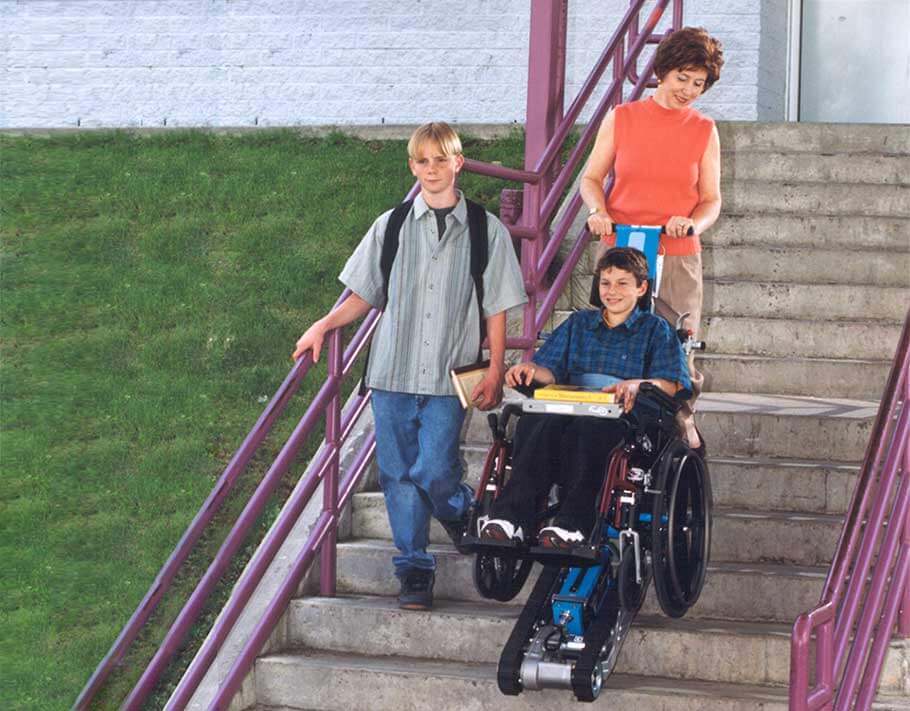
(595, 636)
(509, 670)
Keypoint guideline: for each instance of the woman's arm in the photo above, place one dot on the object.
(707, 211)
(592, 180)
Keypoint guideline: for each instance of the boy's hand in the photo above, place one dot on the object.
(626, 392)
(521, 374)
(488, 392)
(311, 340)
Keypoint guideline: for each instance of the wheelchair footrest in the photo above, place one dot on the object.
(576, 557)
(503, 549)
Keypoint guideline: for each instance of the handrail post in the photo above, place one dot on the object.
(330, 481)
(546, 87)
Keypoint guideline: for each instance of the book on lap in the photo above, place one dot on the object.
(573, 393)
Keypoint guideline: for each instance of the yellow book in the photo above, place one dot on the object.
(573, 393)
(466, 378)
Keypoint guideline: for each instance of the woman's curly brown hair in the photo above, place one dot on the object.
(690, 48)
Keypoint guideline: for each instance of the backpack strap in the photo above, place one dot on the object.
(386, 260)
(390, 245)
(480, 257)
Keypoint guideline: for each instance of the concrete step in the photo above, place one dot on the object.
(840, 268)
(820, 302)
(733, 591)
(816, 198)
(795, 486)
(739, 535)
(801, 338)
(851, 232)
(815, 167)
(781, 485)
(781, 336)
(761, 426)
(816, 377)
(825, 138)
(706, 650)
(334, 682)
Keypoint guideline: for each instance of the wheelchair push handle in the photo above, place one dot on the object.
(663, 228)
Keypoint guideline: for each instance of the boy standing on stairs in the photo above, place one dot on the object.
(432, 322)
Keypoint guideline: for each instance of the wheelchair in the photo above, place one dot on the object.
(653, 521)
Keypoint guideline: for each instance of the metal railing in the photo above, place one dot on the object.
(866, 593)
(547, 130)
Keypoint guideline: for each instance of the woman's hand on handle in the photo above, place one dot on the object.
(679, 226)
(600, 224)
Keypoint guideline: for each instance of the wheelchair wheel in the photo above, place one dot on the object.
(498, 577)
(681, 520)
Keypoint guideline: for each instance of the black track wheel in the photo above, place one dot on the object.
(681, 521)
(535, 609)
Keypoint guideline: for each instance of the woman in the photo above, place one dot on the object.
(666, 160)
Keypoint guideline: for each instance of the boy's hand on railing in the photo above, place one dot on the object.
(311, 340)
(600, 223)
(488, 392)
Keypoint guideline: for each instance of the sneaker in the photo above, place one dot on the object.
(559, 538)
(416, 589)
(498, 529)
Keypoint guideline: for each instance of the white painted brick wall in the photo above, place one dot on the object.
(126, 63)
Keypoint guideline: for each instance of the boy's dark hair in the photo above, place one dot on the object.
(690, 48)
(628, 259)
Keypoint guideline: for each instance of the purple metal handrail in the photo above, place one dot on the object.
(194, 531)
(326, 465)
(867, 590)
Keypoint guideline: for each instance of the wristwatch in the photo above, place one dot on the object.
(593, 211)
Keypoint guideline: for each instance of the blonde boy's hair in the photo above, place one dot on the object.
(438, 132)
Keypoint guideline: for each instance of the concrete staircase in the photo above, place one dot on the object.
(807, 282)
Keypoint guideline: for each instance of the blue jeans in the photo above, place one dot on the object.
(419, 469)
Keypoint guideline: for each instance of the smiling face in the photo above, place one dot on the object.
(435, 170)
(678, 88)
(619, 293)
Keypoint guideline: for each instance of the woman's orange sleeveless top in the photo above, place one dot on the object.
(658, 152)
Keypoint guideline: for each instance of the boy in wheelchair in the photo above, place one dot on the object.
(616, 347)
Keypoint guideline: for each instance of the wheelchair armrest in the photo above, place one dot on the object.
(525, 390)
(660, 398)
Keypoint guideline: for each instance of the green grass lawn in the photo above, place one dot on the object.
(152, 290)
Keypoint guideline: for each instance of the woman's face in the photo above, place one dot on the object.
(680, 87)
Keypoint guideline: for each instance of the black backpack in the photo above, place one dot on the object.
(477, 229)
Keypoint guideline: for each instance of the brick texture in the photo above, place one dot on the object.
(131, 63)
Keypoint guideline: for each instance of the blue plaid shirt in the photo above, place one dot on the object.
(643, 346)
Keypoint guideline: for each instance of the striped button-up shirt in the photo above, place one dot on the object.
(431, 323)
(642, 346)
